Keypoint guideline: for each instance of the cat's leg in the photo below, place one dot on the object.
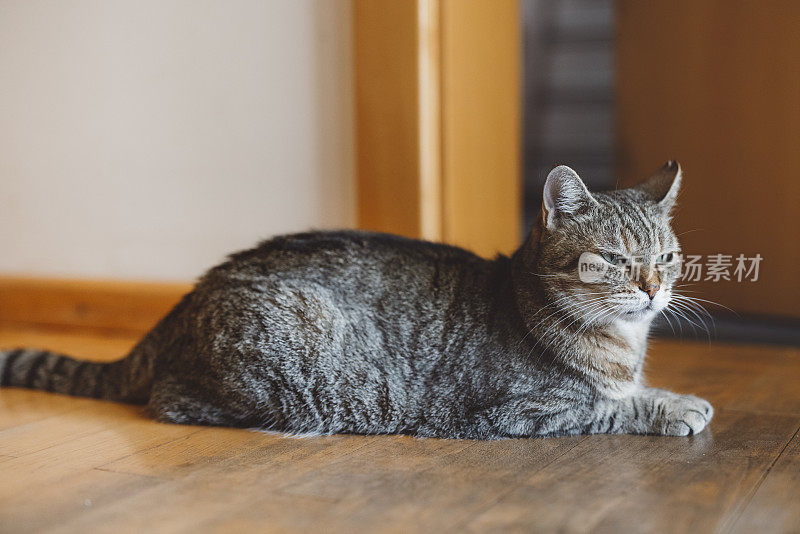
(173, 401)
(527, 417)
(648, 411)
(651, 411)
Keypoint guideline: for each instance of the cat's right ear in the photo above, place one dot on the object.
(564, 195)
(663, 186)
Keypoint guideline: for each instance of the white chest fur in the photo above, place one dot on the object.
(618, 355)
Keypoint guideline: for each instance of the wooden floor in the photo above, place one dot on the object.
(78, 465)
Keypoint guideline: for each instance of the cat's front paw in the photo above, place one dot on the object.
(683, 415)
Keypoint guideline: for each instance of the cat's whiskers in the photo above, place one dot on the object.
(566, 298)
(689, 311)
(668, 310)
(542, 336)
(601, 315)
(693, 307)
(567, 302)
(594, 319)
(573, 306)
(547, 275)
(679, 313)
(693, 303)
(690, 231)
(550, 333)
(589, 315)
(697, 300)
(663, 312)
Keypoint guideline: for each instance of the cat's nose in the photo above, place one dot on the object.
(649, 287)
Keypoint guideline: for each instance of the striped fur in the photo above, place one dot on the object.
(36, 369)
(356, 332)
(127, 380)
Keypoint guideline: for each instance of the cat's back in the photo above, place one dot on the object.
(342, 278)
(322, 295)
(349, 257)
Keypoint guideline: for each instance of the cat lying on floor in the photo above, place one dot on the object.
(356, 332)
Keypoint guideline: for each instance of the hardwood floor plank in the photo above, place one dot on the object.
(76, 444)
(216, 449)
(775, 506)
(205, 506)
(390, 480)
(41, 506)
(56, 452)
(21, 407)
(741, 377)
(180, 457)
(245, 481)
(80, 419)
(648, 483)
(429, 485)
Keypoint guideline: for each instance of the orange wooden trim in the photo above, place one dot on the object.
(481, 124)
(438, 120)
(386, 63)
(113, 306)
(430, 127)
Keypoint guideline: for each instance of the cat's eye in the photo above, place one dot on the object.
(613, 259)
(666, 258)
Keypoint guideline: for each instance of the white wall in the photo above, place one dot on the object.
(148, 138)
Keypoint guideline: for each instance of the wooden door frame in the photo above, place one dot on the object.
(437, 101)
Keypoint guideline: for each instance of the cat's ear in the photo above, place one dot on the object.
(663, 186)
(564, 195)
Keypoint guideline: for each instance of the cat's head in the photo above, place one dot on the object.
(607, 256)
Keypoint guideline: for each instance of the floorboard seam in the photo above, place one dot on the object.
(746, 501)
(462, 525)
(146, 449)
(21, 427)
(152, 477)
(760, 412)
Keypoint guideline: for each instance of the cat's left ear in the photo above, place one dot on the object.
(564, 195)
(663, 186)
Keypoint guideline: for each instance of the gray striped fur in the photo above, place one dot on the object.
(357, 332)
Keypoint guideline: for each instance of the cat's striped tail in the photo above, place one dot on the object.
(126, 380)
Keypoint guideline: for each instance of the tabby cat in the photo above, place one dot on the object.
(355, 332)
